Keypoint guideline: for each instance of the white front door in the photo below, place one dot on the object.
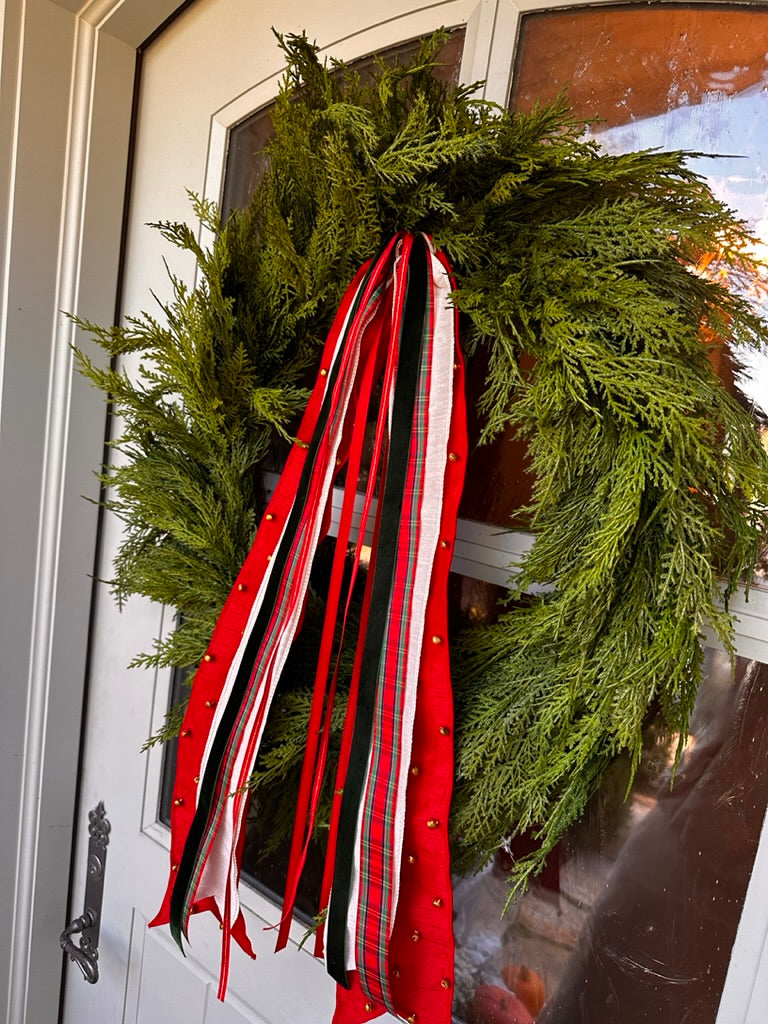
(213, 66)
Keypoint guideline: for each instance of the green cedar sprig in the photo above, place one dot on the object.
(197, 415)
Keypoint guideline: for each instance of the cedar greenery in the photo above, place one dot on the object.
(651, 482)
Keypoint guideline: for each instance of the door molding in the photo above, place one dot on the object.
(67, 76)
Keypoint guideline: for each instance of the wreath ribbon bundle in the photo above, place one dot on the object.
(387, 876)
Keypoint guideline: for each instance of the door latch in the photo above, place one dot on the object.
(86, 953)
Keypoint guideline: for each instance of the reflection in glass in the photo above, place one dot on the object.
(673, 77)
(498, 483)
(635, 916)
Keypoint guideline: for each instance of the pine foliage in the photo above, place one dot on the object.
(651, 483)
(215, 385)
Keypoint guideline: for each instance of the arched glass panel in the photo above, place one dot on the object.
(246, 161)
(668, 77)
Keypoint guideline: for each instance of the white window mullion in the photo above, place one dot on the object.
(478, 42)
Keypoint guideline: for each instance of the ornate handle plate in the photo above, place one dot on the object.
(86, 953)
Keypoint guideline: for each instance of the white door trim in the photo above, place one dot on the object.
(67, 78)
(49, 537)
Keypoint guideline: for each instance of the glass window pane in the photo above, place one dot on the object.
(668, 76)
(672, 77)
(634, 917)
(498, 483)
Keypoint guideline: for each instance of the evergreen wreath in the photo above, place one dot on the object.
(577, 273)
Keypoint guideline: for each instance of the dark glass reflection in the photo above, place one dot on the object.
(499, 481)
(636, 914)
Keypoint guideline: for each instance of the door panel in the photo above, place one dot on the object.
(214, 65)
(161, 983)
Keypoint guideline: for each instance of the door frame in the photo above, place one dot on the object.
(67, 73)
(65, 112)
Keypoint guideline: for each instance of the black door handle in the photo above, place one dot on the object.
(86, 953)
